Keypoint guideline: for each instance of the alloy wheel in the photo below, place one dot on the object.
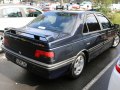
(78, 65)
(116, 41)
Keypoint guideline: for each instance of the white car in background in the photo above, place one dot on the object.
(86, 5)
(114, 83)
(115, 7)
(16, 16)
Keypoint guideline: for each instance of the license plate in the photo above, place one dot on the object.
(21, 63)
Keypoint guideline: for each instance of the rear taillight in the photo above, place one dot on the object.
(118, 66)
(39, 53)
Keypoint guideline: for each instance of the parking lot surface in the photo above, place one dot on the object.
(102, 82)
(13, 77)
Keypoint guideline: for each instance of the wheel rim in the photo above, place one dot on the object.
(116, 41)
(78, 65)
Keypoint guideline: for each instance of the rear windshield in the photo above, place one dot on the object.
(55, 21)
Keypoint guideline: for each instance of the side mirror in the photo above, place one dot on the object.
(116, 26)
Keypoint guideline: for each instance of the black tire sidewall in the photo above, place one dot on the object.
(71, 71)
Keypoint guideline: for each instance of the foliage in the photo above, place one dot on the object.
(115, 18)
(102, 5)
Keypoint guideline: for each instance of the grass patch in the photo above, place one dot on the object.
(115, 18)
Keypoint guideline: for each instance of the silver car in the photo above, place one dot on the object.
(114, 83)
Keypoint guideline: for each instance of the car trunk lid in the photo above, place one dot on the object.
(26, 43)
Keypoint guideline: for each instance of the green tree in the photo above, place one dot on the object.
(103, 5)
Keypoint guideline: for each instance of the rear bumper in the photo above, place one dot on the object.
(45, 70)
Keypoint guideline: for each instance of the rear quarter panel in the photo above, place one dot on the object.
(67, 48)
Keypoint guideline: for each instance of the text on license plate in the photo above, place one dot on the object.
(21, 63)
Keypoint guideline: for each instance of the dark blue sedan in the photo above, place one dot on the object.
(59, 42)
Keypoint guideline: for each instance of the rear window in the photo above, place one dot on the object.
(55, 21)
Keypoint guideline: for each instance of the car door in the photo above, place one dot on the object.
(92, 35)
(106, 28)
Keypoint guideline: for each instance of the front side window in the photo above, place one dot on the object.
(92, 23)
(55, 21)
(12, 12)
(31, 12)
(104, 21)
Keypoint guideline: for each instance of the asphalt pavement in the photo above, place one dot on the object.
(103, 82)
(13, 77)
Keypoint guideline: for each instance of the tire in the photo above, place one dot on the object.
(75, 69)
(116, 41)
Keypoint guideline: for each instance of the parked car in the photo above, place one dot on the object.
(86, 5)
(115, 78)
(16, 16)
(59, 42)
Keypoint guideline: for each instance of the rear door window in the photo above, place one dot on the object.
(92, 23)
(12, 12)
(104, 21)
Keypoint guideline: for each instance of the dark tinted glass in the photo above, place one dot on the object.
(31, 12)
(92, 23)
(85, 30)
(12, 12)
(104, 21)
(55, 21)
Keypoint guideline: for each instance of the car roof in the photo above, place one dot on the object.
(73, 11)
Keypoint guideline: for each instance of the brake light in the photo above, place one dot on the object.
(118, 66)
(39, 53)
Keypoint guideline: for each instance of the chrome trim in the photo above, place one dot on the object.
(67, 44)
(40, 64)
(92, 32)
(97, 46)
(105, 42)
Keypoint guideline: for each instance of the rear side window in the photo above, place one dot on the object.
(104, 21)
(31, 12)
(12, 12)
(92, 23)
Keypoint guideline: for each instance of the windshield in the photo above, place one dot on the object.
(55, 21)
